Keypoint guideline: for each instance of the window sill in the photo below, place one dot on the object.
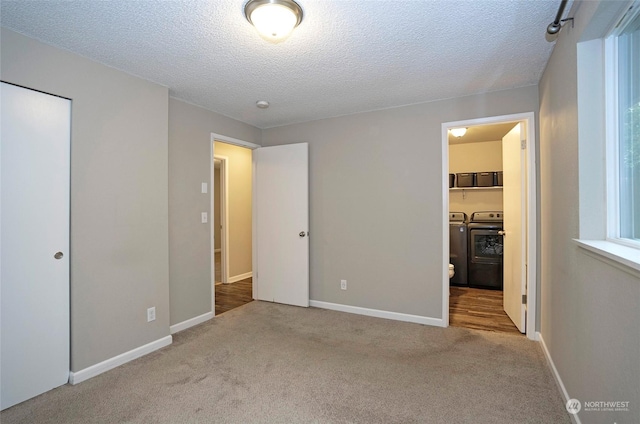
(627, 256)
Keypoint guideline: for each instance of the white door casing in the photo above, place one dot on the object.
(223, 210)
(235, 142)
(515, 225)
(35, 172)
(281, 211)
(528, 128)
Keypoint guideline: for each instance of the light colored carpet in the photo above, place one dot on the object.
(270, 363)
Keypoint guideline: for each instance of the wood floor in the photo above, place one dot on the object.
(471, 308)
(230, 296)
(479, 309)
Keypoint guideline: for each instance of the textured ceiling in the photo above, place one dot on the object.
(345, 57)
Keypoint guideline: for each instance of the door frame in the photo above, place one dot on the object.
(528, 119)
(223, 210)
(241, 143)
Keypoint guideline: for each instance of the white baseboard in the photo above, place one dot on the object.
(190, 322)
(116, 361)
(574, 417)
(240, 277)
(437, 322)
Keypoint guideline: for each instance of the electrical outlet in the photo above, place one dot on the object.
(203, 218)
(343, 284)
(151, 314)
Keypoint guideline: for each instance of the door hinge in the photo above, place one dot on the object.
(524, 299)
(523, 144)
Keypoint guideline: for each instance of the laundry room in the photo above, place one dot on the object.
(476, 233)
(469, 162)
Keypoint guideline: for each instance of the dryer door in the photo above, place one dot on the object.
(485, 246)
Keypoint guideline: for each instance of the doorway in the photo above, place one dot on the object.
(231, 225)
(278, 225)
(519, 265)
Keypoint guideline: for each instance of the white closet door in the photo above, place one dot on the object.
(34, 248)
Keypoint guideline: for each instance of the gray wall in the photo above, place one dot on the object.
(119, 223)
(375, 199)
(590, 316)
(190, 129)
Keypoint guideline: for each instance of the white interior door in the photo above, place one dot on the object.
(34, 288)
(282, 223)
(514, 199)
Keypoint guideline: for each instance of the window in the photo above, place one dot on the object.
(623, 135)
(608, 67)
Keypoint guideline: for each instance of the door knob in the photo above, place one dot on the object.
(302, 234)
(502, 233)
(58, 255)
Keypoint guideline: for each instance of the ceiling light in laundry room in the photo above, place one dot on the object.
(458, 132)
(274, 19)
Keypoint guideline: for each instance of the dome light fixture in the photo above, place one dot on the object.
(274, 19)
(262, 104)
(458, 132)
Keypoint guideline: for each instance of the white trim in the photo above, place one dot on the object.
(612, 212)
(397, 316)
(446, 251)
(116, 361)
(254, 227)
(612, 125)
(234, 141)
(240, 277)
(224, 217)
(529, 119)
(190, 322)
(223, 210)
(556, 375)
(212, 233)
(618, 254)
(532, 228)
(591, 133)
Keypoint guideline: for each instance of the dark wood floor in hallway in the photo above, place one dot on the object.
(479, 309)
(230, 296)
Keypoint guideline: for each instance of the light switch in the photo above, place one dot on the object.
(204, 217)
(204, 188)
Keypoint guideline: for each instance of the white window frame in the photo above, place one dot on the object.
(598, 156)
(612, 122)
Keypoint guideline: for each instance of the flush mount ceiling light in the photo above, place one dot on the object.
(274, 19)
(262, 104)
(458, 132)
